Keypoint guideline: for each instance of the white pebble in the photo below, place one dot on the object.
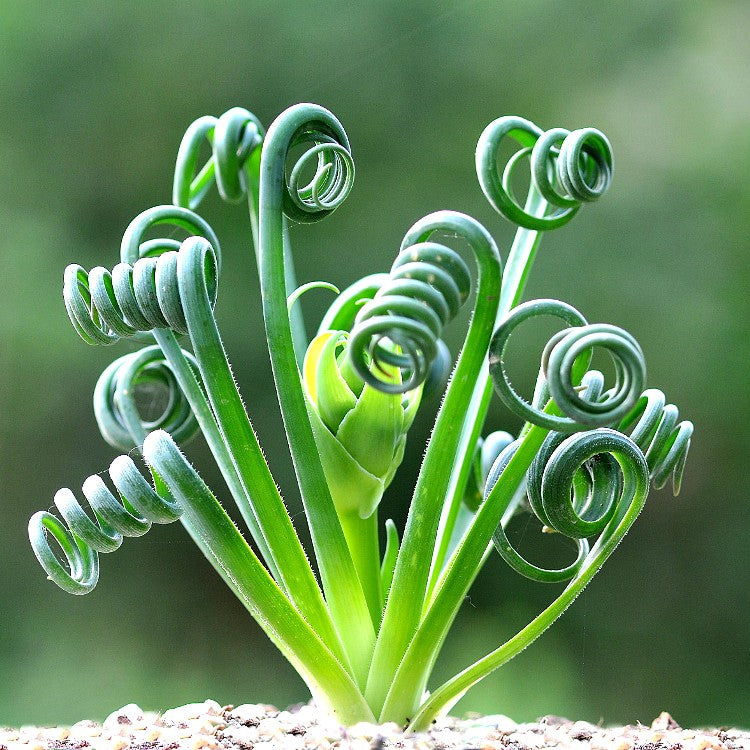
(125, 719)
(85, 728)
(190, 711)
(250, 713)
(245, 736)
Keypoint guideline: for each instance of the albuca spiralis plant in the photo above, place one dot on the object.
(364, 627)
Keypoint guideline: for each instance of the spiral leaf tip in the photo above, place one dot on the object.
(327, 154)
(401, 325)
(654, 427)
(115, 404)
(564, 366)
(428, 283)
(233, 137)
(80, 539)
(567, 169)
(137, 298)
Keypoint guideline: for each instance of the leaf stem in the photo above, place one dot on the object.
(362, 537)
(223, 545)
(635, 488)
(252, 185)
(463, 567)
(515, 274)
(196, 397)
(267, 506)
(404, 607)
(341, 584)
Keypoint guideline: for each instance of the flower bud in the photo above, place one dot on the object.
(360, 432)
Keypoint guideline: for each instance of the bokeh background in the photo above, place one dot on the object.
(95, 97)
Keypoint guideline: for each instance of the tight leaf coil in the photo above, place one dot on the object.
(665, 442)
(568, 168)
(326, 153)
(130, 513)
(576, 487)
(233, 137)
(565, 361)
(116, 409)
(105, 306)
(402, 324)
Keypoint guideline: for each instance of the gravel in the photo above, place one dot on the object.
(210, 726)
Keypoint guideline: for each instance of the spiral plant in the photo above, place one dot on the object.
(365, 626)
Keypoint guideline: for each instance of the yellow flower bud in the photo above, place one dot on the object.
(360, 431)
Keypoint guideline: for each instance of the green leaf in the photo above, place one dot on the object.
(398, 457)
(354, 490)
(389, 558)
(370, 431)
(328, 389)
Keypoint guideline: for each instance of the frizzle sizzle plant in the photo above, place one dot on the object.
(366, 638)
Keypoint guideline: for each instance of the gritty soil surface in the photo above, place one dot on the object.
(209, 726)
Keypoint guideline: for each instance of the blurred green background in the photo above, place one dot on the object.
(94, 99)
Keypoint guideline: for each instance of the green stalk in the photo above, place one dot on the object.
(223, 545)
(202, 410)
(515, 274)
(635, 488)
(408, 685)
(404, 607)
(252, 186)
(362, 537)
(344, 594)
(239, 436)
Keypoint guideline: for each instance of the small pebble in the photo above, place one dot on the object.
(704, 743)
(239, 734)
(126, 718)
(248, 713)
(191, 711)
(664, 721)
(203, 742)
(85, 729)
